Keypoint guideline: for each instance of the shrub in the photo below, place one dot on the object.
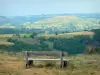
(90, 49)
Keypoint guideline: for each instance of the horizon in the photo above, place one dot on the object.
(37, 7)
(62, 14)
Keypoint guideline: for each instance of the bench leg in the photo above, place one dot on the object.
(30, 63)
(64, 64)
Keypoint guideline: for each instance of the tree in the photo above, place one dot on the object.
(24, 36)
(33, 35)
(56, 33)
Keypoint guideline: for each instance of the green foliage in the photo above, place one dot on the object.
(33, 35)
(24, 36)
(71, 45)
(97, 35)
(21, 45)
(91, 49)
(4, 47)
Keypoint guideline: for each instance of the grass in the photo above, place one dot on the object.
(5, 35)
(27, 35)
(3, 39)
(66, 35)
(79, 65)
(11, 35)
(6, 43)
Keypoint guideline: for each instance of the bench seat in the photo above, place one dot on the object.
(37, 59)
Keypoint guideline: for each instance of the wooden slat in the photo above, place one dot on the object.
(47, 53)
(37, 59)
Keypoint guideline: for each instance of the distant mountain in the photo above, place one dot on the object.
(53, 22)
(18, 21)
(4, 20)
(22, 19)
(65, 24)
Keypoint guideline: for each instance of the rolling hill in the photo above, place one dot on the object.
(20, 20)
(4, 20)
(53, 23)
(65, 24)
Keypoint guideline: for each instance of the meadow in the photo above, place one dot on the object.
(66, 35)
(79, 65)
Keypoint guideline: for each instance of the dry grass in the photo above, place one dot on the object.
(79, 65)
(67, 35)
(5, 43)
(5, 35)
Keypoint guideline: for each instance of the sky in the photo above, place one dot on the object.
(38, 7)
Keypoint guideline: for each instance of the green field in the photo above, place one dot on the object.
(66, 35)
(5, 35)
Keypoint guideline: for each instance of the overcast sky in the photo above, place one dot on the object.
(36, 7)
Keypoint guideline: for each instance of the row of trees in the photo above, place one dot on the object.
(71, 45)
(78, 44)
(21, 45)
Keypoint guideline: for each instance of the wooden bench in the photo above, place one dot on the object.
(29, 60)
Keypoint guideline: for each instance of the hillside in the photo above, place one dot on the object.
(4, 20)
(65, 24)
(60, 23)
(22, 19)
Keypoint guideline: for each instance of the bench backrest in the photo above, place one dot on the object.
(45, 53)
(59, 54)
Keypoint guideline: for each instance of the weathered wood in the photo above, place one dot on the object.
(37, 59)
(61, 59)
(26, 57)
(29, 61)
(47, 53)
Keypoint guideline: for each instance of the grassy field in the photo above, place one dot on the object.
(3, 41)
(79, 65)
(3, 37)
(66, 35)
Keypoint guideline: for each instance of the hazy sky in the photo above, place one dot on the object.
(33, 7)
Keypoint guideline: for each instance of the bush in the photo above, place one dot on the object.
(21, 45)
(4, 47)
(90, 49)
(33, 35)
